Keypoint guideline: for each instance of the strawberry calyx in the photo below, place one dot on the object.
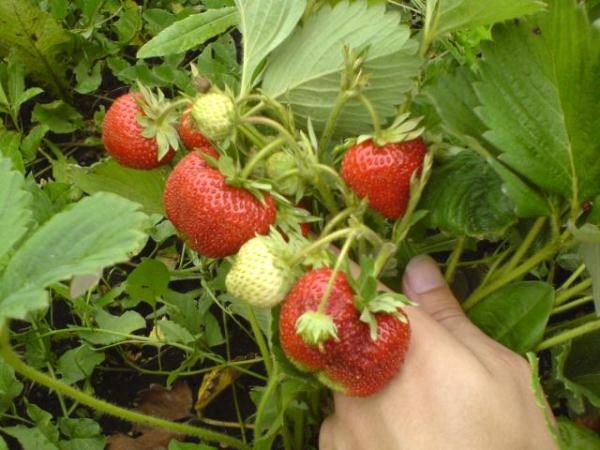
(369, 300)
(402, 129)
(316, 328)
(159, 119)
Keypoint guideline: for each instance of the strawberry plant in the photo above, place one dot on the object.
(202, 203)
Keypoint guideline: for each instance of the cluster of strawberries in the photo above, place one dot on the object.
(337, 327)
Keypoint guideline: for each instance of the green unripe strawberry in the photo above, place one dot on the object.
(214, 114)
(280, 168)
(259, 276)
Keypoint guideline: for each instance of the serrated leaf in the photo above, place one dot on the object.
(126, 323)
(190, 32)
(174, 332)
(516, 315)
(10, 142)
(305, 71)
(454, 99)
(578, 367)
(97, 231)
(148, 281)
(78, 364)
(446, 16)
(142, 186)
(264, 25)
(79, 428)
(575, 437)
(588, 237)
(465, 197)
(33, 38)
(539, 95)
(15, 214)
(19, 304)
(29, 438)
(57, 116)
(10, 387)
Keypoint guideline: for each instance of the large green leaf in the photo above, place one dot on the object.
(190, 32)
(516, 315)
(540, 97)
(578, 367)
(14, 207)
(32, 37)
(264, 25)
(30, 438)
(126, 323)
(305, 71)
(465, 197)
(97, 231)
(455, 100)
(575, 437)
(446, 16)
(142, 186)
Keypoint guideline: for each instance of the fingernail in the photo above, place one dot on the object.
(423, 275)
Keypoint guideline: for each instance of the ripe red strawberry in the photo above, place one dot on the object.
(383, 173)
(353, 363)
(123, 135)
(189, 133)
(215, 219)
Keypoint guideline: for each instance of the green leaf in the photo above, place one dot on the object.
(174, 333)
(176, 445)
(95, 443)
(29, 438)
(212, 329)
(79, 428)
(142, 186)
(454, 99)
(15, 215)
(3, 445)
(19, 304)
(516, 315)
(148, 281)
(43, 422)
(89, 76)
(33, 38)
(264, 25)
(575, 437)
(306, 70)
(31, 142)
(96, 232)
(446, 16)
(579, 367)
(127, 323)
(538, 95)
(588, 237)
(190, 32)
(10, 142)
(57, 116)
(465, 197)
(78, 364)
(129, 23)
(10, 387)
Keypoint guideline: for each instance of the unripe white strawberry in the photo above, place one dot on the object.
(214, 114)
(260, 276)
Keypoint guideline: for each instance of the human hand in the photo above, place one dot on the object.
(458, 388)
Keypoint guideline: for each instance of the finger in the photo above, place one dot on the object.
(326, 434)
(425, 285)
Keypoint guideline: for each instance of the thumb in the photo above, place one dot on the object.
(424, 284)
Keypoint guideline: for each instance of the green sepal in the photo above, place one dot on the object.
(315, 328)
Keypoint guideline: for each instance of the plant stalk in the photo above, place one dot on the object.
(569, 335)
(260, 341)
(565, 295)
(260, 155)
(12, 359)
(525, 245)
(454, 259)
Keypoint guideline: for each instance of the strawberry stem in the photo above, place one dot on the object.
(317, 245)
(373, 113)
(260, 341)
(339, 104)
(260, 155)
(256, 120)
(388, 250)
(342, 215)
(336, 268)
(9, 356)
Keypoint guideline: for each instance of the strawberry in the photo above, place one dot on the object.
(382, 173)
(133, 135)
(354, 362)
(214, 115)
(216, 219)
(260, 275)
(189, 133)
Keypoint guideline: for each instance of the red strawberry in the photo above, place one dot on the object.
(353, 363)
(383, 173)
(189, 133)
(123, 136)
(216, 219)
